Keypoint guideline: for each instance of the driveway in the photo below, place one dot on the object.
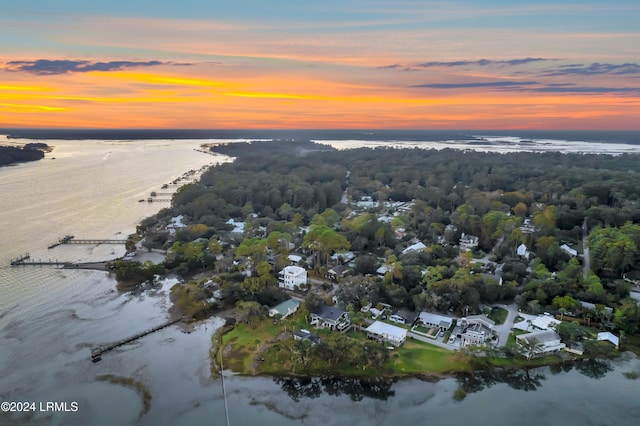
(504, 330)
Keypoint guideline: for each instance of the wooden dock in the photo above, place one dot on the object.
(96, 353)
(63, 240)
(26, 259)
(20, 259)
(93, 241)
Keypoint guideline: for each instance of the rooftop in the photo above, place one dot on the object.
(382, 328)
(542, 336)
(330, 312)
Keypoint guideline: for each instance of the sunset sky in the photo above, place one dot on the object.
(491, 64)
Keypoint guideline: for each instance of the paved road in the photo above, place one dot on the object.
(505, 329)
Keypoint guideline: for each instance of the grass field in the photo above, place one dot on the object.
(499, 315)
(415, 357)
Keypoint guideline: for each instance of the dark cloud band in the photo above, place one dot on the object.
(506, 83)
(63, 66)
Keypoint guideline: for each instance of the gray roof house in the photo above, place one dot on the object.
(548, 340)
(330, 317)
(435, 320)
(302, 335)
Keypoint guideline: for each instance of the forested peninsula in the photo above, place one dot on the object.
(29, 152)
(546, 241)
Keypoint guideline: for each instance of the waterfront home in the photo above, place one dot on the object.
(302, 335)
(331, 317)
(476, 330)
(284, 309)
(547, 341)
(436, 321)
(292, 278)
(387, 333)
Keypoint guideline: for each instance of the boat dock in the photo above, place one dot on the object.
(26, 259)
(21, 259)
(95, 241)
(69, 239)
(96, 353)
(63, 240)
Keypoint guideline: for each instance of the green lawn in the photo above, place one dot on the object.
(511, 341)
(416, 357)
(499, 315)
(243, 342)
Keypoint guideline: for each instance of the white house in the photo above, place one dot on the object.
(523, 251)
(544, 322)
(527, 227)
(291, 277)
(468, 242)
(285, 308)
(176, 222)
(238, 227)
(568, 250)
(548, 340)
(419, 246)
(476, 330)
(387, 333)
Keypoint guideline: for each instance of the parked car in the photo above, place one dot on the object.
(452, 339)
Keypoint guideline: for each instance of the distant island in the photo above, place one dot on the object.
(29, 152)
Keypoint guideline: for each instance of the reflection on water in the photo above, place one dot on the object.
(356, 389)
(528, 379)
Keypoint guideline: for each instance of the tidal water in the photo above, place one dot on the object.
(50, 318)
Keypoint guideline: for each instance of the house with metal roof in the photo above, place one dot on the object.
(435, 320)
(387, 333)
(284, 309)
(548, 340)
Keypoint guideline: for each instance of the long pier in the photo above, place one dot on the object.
(94, 241)
(26, 259)
(96, 353)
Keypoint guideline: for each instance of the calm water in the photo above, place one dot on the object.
(50, 318)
